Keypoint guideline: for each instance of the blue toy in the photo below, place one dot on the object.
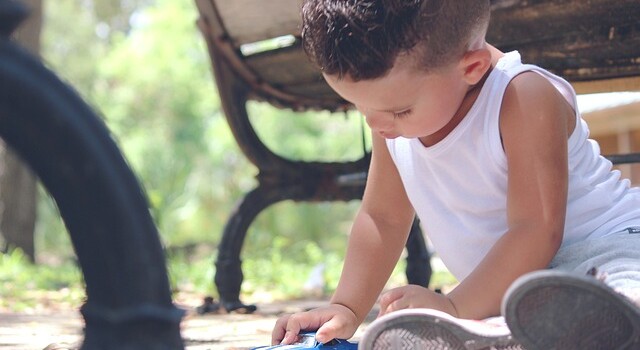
(307, 340)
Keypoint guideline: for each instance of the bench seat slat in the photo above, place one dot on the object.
(249, 21)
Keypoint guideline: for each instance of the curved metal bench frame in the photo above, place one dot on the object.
(69, 148)
(279, 178)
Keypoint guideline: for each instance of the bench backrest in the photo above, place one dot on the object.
(594, 44)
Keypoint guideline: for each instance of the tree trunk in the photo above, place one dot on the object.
(18, 194)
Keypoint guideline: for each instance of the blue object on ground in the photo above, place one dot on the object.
(307, 340)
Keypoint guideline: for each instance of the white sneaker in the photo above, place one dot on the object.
(426, 329)
(548, 310)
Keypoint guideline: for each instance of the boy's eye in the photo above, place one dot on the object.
(402, 114)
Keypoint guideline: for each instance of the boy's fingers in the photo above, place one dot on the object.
(329, 330)
(279, 330)
(399, 304)
(329, 323)
(388, 298)
(292, 329)
(391, 296)
(290, 337)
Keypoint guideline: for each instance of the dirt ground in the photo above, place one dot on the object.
(35, 331)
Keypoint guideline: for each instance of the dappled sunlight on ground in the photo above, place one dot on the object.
(31, 320)
(48, 322)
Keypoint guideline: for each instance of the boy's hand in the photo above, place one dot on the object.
(411, 297)
(333, 321)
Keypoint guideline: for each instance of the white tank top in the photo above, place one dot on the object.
(458, 186)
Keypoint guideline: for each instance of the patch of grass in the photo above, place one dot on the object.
(442, 279)
(187, 274)
(24, 287)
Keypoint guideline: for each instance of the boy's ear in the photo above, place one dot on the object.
(475, 64)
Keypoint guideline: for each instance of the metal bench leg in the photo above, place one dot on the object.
(229, 276)
(418, 257)
(128, 302)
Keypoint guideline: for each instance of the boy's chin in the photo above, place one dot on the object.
(388, 136)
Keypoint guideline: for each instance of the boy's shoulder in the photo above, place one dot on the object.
(530, 83)
(532, 108)
(531, 91)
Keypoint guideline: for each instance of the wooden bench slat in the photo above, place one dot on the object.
(594, 44)
(518, 22)
(587, 60)
(249, 21)
(313, 90)
(579, 40)
(288, 66)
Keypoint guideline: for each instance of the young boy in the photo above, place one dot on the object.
(493, 156)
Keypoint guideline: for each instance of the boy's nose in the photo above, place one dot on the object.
(379, 122)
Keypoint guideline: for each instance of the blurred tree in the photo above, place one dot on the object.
(150, 79)
(158, 97)
(144, 66)
(17, 182)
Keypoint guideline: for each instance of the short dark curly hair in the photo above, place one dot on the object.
(361, 39)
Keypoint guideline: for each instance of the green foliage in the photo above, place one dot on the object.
(51, 234)
(151, 82)
(191, 274)
(18, 278)
(159, 100)
(63, 40)
(442, 278)
(311, 136)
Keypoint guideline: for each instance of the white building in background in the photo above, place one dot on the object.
(614, 121)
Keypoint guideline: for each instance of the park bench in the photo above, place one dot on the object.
(256, 54)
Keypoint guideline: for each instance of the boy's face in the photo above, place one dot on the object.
(406, 102)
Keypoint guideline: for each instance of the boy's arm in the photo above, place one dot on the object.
(535, 123)
(377, 237)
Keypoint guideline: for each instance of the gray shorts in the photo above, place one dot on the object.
(616, 258)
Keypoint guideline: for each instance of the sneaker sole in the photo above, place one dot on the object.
(548, 310)
(423, 329)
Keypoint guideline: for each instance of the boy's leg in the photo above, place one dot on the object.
(561, 310)
(425, 329)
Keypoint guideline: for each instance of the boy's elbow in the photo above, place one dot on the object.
(555, 239)
(547, 236)
(553, 234)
